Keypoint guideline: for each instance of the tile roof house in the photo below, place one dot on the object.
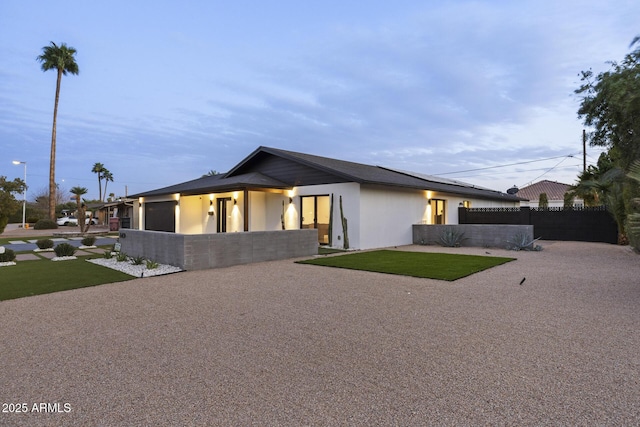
(555, 193)
(273, 189)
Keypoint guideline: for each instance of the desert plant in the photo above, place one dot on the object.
(45, 224)
(121, 257)
(108, 254)
(7, 256)
(522, 242)
(451, 238)
(151, 264)
(137, 260)
(89, 241)
(64, 249)
(44, 243)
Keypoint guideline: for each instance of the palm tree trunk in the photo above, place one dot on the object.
(100, 185)
(52, 159)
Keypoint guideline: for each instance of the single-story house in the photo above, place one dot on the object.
(273, 189)
(554, 190)
(118, 212)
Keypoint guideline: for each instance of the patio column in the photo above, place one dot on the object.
(246, 210)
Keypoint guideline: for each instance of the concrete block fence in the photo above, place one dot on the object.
(494, 235)
(204, 251)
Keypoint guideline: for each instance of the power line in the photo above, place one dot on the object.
(546, 172)
(502, 166)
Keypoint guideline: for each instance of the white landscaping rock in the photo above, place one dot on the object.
(135, 270)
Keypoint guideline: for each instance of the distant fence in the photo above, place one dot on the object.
(577, 224)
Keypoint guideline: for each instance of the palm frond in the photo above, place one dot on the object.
(634, 171)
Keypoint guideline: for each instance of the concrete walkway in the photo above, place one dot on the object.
(286, 344)
(25, 239)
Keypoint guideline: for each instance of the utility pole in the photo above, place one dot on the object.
(584, 150)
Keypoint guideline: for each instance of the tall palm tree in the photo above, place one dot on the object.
(99, 168)
(60, 58)
(78, 192)
(108, 177)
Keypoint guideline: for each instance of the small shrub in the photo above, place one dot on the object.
(89, 241)
(32, 219)
(64, 249)
(45, 224)
(451, 238)
(521, 242)
(121, 257)
(4, 220)
(151, 264)
(108, 254)
(44, 243)
(8, 256)
(137, 260)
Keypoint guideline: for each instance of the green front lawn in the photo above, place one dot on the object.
(28, 278)
(417, 264)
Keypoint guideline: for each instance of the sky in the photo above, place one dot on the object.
(479, 91)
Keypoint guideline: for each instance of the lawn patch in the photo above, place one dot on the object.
(417, 264)
(28, 278)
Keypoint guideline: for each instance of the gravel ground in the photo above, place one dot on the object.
(280, 343)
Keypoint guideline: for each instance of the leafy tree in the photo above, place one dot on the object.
(610, 105)
(543, 201)
(8, 202)
(567, 203)
(60, 58)
(634, 218)
(78, 192)
(99, 169)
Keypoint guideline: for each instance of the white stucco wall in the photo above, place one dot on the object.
(257, 213)
(388, 214)
(350, 193)
(192, 214)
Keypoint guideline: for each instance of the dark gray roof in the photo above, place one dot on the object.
(367, 174)
(242, 176)
(218, 184)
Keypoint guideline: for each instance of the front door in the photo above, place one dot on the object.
(225, 207)
(439, 211)
(315, 214)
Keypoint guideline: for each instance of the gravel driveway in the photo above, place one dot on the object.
(279, 343)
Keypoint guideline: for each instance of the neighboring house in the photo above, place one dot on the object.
(274, 189)
(555, 194)
(121, 209)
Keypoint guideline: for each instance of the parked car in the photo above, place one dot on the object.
(72, 220)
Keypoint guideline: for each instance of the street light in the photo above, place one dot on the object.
(24, 192)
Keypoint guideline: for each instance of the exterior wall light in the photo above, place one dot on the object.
(235, 201)
(290, 200)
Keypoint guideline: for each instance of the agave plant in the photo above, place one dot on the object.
(522, 242)
(452, 238)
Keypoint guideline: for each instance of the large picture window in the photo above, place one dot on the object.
(160, 216)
